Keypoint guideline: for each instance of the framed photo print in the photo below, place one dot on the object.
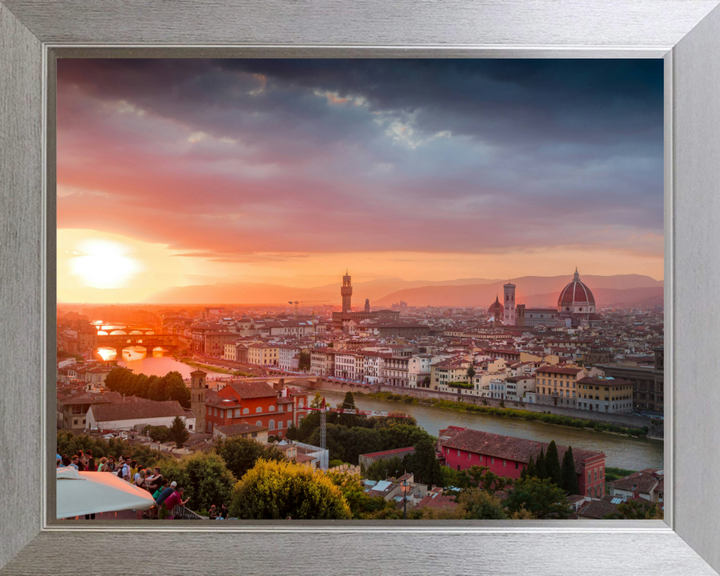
(432, 281)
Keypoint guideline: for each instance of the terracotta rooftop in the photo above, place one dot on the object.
(253, 389)
(242, 428)
(136, 410)
(508, 447)
(597, 509)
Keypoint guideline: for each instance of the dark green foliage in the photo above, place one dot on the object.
(169, 387)
(552, 464)
(205, 477)
(423, 463)
(479, 504)
(464, 385)
(531, 470)
(348, 402)
(539, 497)
(157, 433)
(569, 475)
(178, 433)
(68, 445)
(384, 469)
(304, 363)
(540, 470)
(471, 373)
(241, 454)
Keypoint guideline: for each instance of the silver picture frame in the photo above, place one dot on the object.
(685, 33)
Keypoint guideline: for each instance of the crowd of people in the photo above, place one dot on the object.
(152, 480)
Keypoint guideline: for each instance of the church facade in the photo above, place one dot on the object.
(575, 307)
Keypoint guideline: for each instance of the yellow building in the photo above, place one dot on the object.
(263, 354)
(557, 386)
(600, 394)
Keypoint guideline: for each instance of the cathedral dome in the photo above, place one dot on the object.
(576, 297)
(496, 306)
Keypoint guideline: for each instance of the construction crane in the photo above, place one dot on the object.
(324, 409)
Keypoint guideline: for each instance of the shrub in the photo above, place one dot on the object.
(276, 490)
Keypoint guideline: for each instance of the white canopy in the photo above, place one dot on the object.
(80, 493)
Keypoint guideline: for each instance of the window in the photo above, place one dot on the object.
(516, 465)
(492, 460)
(246, 411)
(596, 474)
(589, 476)
(258, 423)
(469, 455)
(272, 408)
(289, 423)
(237, 412)
(504, 462)
(458, 453)
(280, 424)
(601, 473)
(258, 410)
(214, 411)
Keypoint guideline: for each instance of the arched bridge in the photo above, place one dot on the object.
(119, 341)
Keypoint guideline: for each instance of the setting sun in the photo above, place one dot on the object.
(104, 264)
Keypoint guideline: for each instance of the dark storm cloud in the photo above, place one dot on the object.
(511, 152)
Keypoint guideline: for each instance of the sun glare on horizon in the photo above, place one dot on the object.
(104, 264)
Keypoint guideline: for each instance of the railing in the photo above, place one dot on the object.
(181, 513)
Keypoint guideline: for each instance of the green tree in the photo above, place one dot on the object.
(479, 504)
(383, 469)
(426, 382)
(157, 433)
(178, 432)
(471, 372)
(531, 470)
(317, 400)
(552, 464)
(205, 477)
(540, 469)
(423, 463)
(569, 474)
(348, 402)
(241, 454)
(539, 497)
(276, 490)
(304, 363)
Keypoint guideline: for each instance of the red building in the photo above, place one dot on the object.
(509, 456)
(255, 403)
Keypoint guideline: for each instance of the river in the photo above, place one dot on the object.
(159, 365)
(620, 451)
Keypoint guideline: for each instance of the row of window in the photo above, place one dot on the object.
(241, 412)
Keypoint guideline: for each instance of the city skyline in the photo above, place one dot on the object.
(186, 172)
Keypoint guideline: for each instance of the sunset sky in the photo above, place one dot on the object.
(185, 172)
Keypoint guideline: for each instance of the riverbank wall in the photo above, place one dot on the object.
(627, 420)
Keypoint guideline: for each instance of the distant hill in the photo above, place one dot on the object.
(531, 290)
(478, 292)
(607, 297)
(249, 293)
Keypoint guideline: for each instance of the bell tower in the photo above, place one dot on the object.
(197, 399)
(346, 293)
(509, 304)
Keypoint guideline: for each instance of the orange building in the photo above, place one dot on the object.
(255, 403)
